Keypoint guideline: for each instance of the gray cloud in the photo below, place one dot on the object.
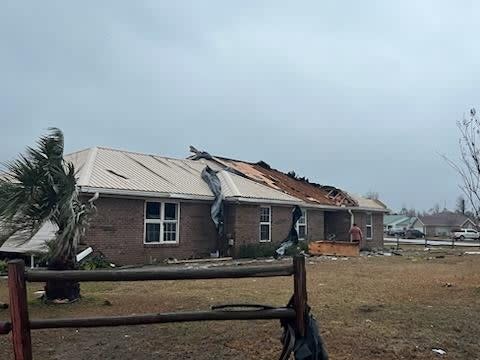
(356, 94)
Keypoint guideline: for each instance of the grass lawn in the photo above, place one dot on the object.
(369, 308)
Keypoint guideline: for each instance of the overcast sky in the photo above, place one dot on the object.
(363, 95)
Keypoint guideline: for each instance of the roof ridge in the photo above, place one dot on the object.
(88, 167)
(78, 151)
(143, 153)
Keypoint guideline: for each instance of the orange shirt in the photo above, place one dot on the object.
(356, 233)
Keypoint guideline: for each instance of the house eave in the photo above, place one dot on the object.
(154, 194)
(142, 193)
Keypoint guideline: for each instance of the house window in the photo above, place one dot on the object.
(369, 226)
(265, 223)
(161, 223)
(301, 226)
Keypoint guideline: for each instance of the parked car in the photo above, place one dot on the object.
(414, 234)
(395, 232)
(463, 234)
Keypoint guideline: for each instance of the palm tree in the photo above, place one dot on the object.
(40, 186)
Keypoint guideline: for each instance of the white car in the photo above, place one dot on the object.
(463, 234)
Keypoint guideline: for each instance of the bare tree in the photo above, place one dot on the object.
(461, 205)
(411, 212)
(468, 166)
(372, 195)
(435, 209)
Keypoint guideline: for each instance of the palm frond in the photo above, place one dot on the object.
(41, 187)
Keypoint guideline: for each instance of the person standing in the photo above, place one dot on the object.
(356, 234)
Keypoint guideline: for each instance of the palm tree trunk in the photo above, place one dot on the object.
(62, 289)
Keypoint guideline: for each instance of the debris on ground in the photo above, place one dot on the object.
(39, 294)
(447, 284)
(107, 303)
(189, 261)
(60, 301)
(472, 252)
(439, 351)
(3, 306)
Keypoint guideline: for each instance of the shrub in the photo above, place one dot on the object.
(296, 250)
(3, 267)
(98, 261)
(257, 250)
(262, 250)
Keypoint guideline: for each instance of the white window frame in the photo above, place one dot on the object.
(161, 221)
(269, 223)
(298, 224)
(369, 226)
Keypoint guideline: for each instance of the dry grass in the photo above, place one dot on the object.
(368, 308)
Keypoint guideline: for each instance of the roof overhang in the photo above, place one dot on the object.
(177, 196)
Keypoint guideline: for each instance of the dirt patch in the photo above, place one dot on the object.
(368, 308)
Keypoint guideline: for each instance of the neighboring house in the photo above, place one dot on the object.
(442, 224)
(401, 222)
(151, 207)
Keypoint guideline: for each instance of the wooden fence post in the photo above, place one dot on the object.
(299, 293)
(17, 288)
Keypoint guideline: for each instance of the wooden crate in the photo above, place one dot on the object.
(334, 248)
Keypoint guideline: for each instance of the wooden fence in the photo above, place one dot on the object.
(20, 324)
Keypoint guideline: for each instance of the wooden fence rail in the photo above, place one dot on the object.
(20, 324)
(160, 274)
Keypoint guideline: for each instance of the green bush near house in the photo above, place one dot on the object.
(3, 267)
(296, 250)
(254, 251)
(97, 261)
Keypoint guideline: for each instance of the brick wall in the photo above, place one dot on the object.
(247, 224)
(246, 229)
(117, 230)
(377, 242)
(315, 225)
(281, 221)
(377, 221)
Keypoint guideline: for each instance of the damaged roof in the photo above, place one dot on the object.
(310, 193)
(111, 171)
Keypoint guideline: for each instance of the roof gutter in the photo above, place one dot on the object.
(141, 193)
(154, 194)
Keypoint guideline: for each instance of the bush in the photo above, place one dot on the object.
(257, 250)
(98, 261)
(3, 267)
(296, 250)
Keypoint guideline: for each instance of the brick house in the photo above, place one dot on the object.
(443, 223)
(152, 207)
